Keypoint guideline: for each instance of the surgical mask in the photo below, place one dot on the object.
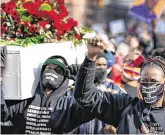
(151, 94)
(51, 79)
(100, 75)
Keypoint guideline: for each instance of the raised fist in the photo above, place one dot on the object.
(95, 46)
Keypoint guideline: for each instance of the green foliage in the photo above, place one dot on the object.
(24, 42)
(45, 7)
(26, 18)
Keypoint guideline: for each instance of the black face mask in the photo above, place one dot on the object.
(151, 94)
(51, 79)
(100, 75)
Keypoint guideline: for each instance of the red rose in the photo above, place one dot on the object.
(19, 32)
(62, 8)
(27, 5)
(26, 23)
(78, 36)
(75, 24)
(32, 7)
(3, 29)
(43, 24)
(8, 7)
(57, 25)
(63, 14)
(15, 16)
(67, 27)
(60, 32)
(71, 20)
(32, 28)
(32, 10)
(43, 14)
(60, 2)
(38, 1)
(52, 15)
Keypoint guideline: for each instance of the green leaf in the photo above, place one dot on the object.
(45, 7)
(26, 30)
(26, 18)
(87, 30)
(27, 41)
(22, 12)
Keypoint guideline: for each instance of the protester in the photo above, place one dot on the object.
(96, 126)
(133, 43)
(121, 52)
(131, 72)
(129, 114)
(49, 111)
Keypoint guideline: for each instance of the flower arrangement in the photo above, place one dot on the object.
(26, 22)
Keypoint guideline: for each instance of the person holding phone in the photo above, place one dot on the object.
(130, 115)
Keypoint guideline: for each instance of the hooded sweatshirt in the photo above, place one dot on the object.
(95, 126)
(112, 108)
(42, 114)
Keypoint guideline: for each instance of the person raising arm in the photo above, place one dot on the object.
(128, 114)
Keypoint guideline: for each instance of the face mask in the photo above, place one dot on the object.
(51, 79)
(100, 75)
(151, 94)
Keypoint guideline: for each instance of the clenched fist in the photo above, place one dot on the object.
(95, 46)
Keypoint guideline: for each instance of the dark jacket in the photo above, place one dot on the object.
(94, 126)
(109, 108)
(56, 113)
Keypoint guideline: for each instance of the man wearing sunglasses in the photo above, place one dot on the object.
(50, 111)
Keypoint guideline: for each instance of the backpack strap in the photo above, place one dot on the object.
(133, 103)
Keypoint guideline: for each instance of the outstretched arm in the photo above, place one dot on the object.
(103, 105)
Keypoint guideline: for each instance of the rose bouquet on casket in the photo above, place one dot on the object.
(27, 22)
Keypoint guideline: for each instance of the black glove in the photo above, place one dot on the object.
(3, 50)
(72, 71)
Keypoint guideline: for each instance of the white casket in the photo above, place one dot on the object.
(22, 72)
(81, 53)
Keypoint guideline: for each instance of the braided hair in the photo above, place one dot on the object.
(156, 59)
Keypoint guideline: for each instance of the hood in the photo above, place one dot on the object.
(62, 89)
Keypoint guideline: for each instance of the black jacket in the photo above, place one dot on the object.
(109, 108)
(55, 114)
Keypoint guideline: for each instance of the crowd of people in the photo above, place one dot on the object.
(119, 88)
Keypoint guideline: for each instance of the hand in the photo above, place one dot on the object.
(72, 71)
(95, 46)
(109, 129)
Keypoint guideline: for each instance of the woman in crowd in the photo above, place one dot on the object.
(131, 72)
(128, 114)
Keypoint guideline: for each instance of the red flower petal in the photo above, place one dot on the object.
(43, 24)
(60, 2)
(32, 28)
(75, 23)
(60, 32)
(26, 23)
(3, 29)
(78, 36)
(19, 31)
